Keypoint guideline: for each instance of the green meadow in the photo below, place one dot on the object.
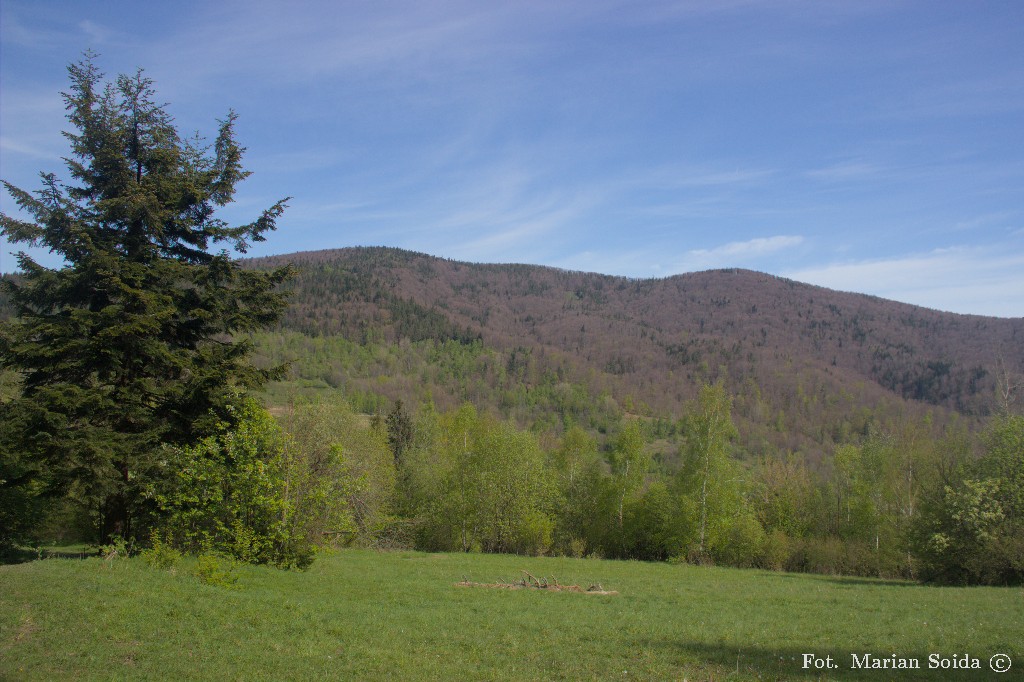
(359, 614)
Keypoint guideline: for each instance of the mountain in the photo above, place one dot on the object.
(808, 365)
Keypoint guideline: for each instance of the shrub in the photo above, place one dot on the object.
(741, 544)
(776, 550)
(117, 549)
(216, 570)
(243, 493)
(534, 534)
(160, 554)
(825, 555)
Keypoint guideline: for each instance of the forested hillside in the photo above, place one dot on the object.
(808, 366)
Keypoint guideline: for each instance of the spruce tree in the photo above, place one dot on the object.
(400, 434)
(138, 339)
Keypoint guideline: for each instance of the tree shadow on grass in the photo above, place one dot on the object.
(23, 555)
(17, 556)
(847, 580)
(766, 663)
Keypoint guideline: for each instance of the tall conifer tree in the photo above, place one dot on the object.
(138, 339)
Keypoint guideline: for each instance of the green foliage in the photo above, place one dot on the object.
(972, 531)
(342, 476)
(226, 493)
(159, 554)
(629, 466)
(776, 551)
(876, 488)
(708, 476)
(579, 481)
(22, 508)
(399, 425)
(649, 528)
(485, 487)
(134, 342)
(785, 496)
(264, 493)
(530, 391)
(740, 542)
(217, 570)
(117, 548)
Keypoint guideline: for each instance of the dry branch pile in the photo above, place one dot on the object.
(531, 582)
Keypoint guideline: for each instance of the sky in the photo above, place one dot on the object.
(874, 147)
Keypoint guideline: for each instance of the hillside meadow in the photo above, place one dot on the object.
(360, 614)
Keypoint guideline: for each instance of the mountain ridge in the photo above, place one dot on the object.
(651, 342)
(808, 367)
(320, 255)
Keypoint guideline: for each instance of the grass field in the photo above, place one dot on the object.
(399, 615)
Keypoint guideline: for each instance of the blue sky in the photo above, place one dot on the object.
(866, 146)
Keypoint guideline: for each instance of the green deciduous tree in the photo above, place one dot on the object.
(629, 465)
(327, 442)
(489, 489)
(649, 531)
(876, 487)
(135, 340)
(264, 494)
(577, 466)
(224, 493)
(708, 475)
(785, 497)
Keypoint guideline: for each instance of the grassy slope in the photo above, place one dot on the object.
(366, 615)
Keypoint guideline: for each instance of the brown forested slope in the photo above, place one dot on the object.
(656, 338)
(808, 367)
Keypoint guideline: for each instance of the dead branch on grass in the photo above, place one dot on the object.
(532, 582)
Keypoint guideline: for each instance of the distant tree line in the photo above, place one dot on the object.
(907, 503)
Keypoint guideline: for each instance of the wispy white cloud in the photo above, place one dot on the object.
(492, 211)
(30, 138)
(10, 145)
(978, 280)
(684, 192)
(300, 160)
(846, 171)
(983, 221)
(751, 247)
(738, 253)
(999, 93)
(625, 262)
(15, 31)
(695, 176)
(520, 240)
(661, 261)
(505, 214)
(411, 42)
(97, 34)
